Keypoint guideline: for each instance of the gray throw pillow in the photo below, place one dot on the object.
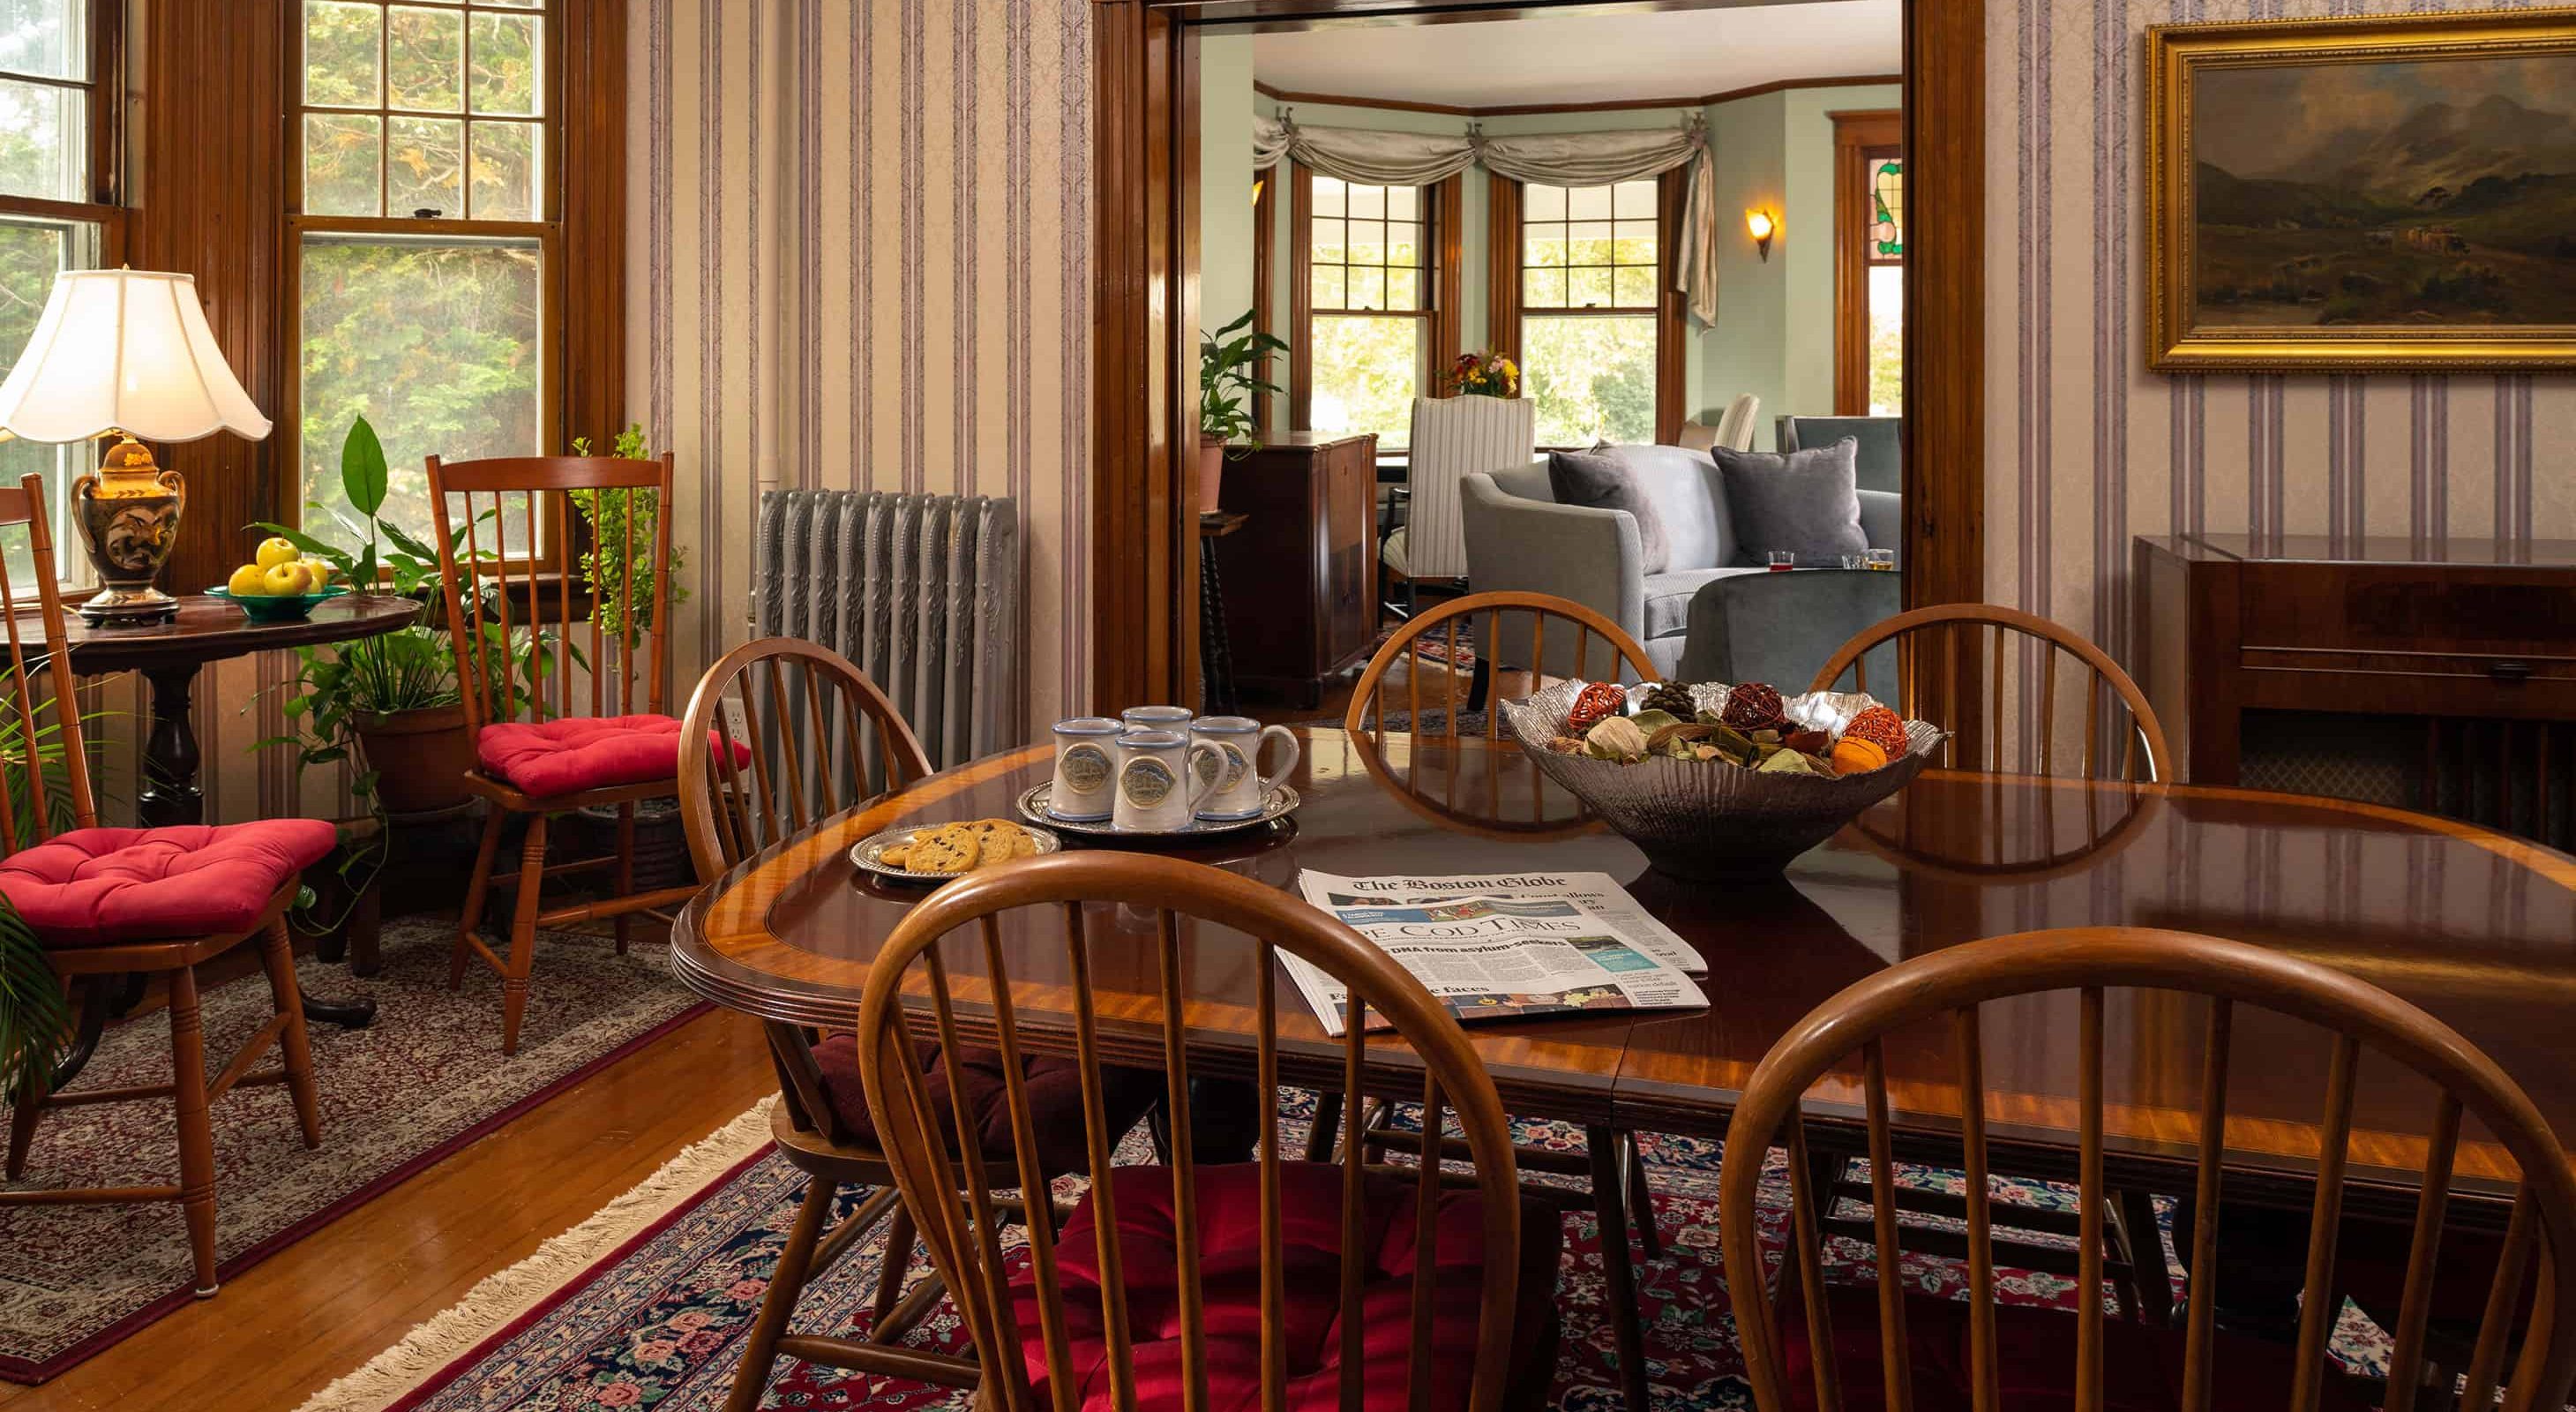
(1605, 481)
(1805, 501)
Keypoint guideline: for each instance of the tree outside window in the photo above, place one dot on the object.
(1368, 255)
(1589, 267)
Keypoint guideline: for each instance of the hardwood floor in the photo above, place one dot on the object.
(318, 1309)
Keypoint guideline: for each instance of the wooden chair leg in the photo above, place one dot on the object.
(196, 1131)
(1641, 1197)
(625, 870)
(900, 1234)
(277, 957)
(1609, 1203)
(22, 1130)
(2150, 1293)
(1328, 1122)
(478, 887)
(795, 1262)
(523, 933)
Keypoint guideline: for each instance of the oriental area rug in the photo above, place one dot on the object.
(423, 1080)
(646, 1304)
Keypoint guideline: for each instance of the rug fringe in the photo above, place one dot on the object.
(505, 1294)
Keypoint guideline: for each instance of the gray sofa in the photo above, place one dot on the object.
(1760, 626)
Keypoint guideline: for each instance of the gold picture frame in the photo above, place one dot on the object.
(2382, 186)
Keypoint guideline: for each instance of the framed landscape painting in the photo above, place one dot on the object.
(2387, 192)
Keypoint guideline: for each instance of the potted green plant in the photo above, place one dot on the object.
(392, 697)
(1230, 389)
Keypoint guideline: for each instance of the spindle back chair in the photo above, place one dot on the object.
(1952, 983)
(1617, 651)
(29, 810)
(498, 621)
(31, 805)
(820, 736)
(1934, 683)
(492, 597)
(927, 978)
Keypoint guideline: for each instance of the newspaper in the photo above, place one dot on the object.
(1597, 891)
(1498, 956)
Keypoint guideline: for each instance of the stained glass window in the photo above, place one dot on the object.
(1887, 215)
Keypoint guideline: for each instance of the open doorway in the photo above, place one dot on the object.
(1612, 361)
(1453, 258)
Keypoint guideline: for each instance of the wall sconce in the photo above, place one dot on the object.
(1763, 225)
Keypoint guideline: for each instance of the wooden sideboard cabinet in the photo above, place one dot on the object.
(1301, 575)
(2437, 676)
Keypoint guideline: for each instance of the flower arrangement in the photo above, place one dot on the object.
(1486, 374)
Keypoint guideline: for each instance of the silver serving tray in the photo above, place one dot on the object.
(1282, 802)
(868, 853)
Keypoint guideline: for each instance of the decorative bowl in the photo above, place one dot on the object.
(278, 607)
(1708, 820)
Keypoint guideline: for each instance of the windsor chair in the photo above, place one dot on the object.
(539, 687)
(1192, 1284)
(109, 902)
(1617, 1193)
(1939, 686)
(1794, 1354)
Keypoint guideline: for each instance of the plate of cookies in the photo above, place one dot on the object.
(937, 852)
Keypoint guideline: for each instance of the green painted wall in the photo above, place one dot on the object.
(1807, 238)
(1225, 177)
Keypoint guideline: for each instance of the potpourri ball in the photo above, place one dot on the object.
(1880, 727)
(1855, 756)
(1596, 703)
(1755, 706)
(1674, 697)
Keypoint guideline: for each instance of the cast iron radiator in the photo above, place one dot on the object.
(921, 591)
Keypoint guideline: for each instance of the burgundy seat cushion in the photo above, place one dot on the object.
(1054, 1086)
(100, 887)
(2035, 1360)
(575, 753)
(1229, 1233)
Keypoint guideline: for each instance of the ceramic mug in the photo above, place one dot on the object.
(1158, 790)
(1241, 789)
(1157, 718)
(1085, 758)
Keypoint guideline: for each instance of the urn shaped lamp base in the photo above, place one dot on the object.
(129, 519)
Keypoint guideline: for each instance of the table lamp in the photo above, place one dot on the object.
(126, 352)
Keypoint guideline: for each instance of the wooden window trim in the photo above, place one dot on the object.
(1448, 206)
(1857, 135)
(1265, 215)
(1506, 253)
(555, 425)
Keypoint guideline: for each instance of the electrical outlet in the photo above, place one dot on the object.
(737, 720)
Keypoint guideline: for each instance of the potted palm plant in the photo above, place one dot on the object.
(1230, 389)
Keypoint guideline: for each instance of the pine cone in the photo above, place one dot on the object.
(1672, 697)
(1755, 706)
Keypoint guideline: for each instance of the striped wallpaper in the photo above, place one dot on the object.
(2086, 448)
(860, 258)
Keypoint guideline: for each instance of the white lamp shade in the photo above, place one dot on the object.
(125, 350)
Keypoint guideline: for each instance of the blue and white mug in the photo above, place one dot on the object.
(1157, 718)
(1085, 761)
(1159, 786)
(1241, 791)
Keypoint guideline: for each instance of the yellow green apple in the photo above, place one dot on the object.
(276, 551)
(248, 581)
(288, 580)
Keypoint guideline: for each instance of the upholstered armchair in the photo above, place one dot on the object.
(1452, 437)
(1880, 463)
(1519, 537)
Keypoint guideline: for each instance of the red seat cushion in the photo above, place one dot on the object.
(1053, 1084)
(1229, 1233)
(100, 887)
(576, 753)
(2034, 1359)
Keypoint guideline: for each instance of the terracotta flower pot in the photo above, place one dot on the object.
(1211, 471)
(420, 757)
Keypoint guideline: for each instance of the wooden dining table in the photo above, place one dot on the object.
(2476, 927)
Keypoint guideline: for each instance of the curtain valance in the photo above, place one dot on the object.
(1375, 158)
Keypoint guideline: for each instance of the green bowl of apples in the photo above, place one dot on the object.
(280, 585)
